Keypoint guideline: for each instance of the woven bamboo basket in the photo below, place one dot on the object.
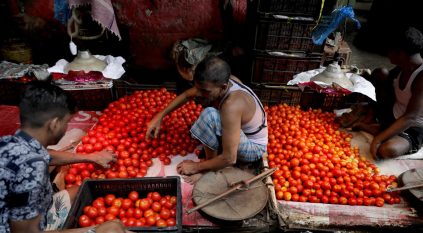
(17, 52)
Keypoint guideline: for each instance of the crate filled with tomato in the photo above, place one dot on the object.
(317, 163)
(122, 129)
(143, 204)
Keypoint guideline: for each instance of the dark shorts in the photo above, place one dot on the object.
(414, 136)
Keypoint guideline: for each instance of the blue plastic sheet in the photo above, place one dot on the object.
(323, 30)
(61, 10)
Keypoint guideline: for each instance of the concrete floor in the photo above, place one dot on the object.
(367, 60)
(361, 58)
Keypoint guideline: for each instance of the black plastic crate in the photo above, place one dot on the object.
(123, 88)
(92, 189)
(303, 8)
(92, 99)
(278, 70)
(10, 91)
(285, 35)
(292, 95)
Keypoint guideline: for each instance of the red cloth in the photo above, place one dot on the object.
(9, 120)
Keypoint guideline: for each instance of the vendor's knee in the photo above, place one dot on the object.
(380, 74)
(209, 111)
(388, 150)
(72, 191)
(209, 115)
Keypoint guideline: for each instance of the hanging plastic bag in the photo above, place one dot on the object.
(322, 31)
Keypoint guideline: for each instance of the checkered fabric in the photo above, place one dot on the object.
(208, 128)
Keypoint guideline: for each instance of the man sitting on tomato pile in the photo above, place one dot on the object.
(27, 203)
(232, 129)
(400, 99)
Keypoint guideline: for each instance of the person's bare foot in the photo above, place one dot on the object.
(192, 179)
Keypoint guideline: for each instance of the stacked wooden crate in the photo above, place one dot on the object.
(283, 47)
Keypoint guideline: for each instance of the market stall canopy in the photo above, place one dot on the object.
(102, 12)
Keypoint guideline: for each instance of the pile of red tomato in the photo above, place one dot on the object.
(122, 129)
(133, 211)
(316, 162)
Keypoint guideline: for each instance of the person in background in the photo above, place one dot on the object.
(27, 203)
(399, 93)
(233, 128)
(187, 54)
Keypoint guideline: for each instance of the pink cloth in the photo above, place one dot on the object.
(102, 12)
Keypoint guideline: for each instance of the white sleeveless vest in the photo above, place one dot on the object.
(403, 96)
(261, 137)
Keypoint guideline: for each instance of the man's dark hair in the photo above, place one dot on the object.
(214, 70)
(42, 101)
(409, 39)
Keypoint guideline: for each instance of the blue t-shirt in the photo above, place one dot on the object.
(25, 188)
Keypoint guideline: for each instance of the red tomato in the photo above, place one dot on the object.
(164, 213)
(126, 203)
(109, 217)
(148, 213)
(379, 202)
(85, 221)
(173, 200)
(151, 220)
(113, 210)
(171, 222)
(70, 178)
(333, 200)
(168, 205)
(130, 213)
(156, 207)
(109, 198)
(167, 161)
(73, 170)
(133, 196)
(117, 202)
(366, 201)
(138, 213)
(161, 223)
(139, 223)
(155, 196)
(173, 213)
(92, 212)
(102, 211)
(100, 220)
(98, 203)
(143, 204)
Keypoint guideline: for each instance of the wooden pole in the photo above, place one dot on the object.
(404, 188)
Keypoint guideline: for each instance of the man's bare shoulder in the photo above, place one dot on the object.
(238, 100)
(235, 79)
(235, 99)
